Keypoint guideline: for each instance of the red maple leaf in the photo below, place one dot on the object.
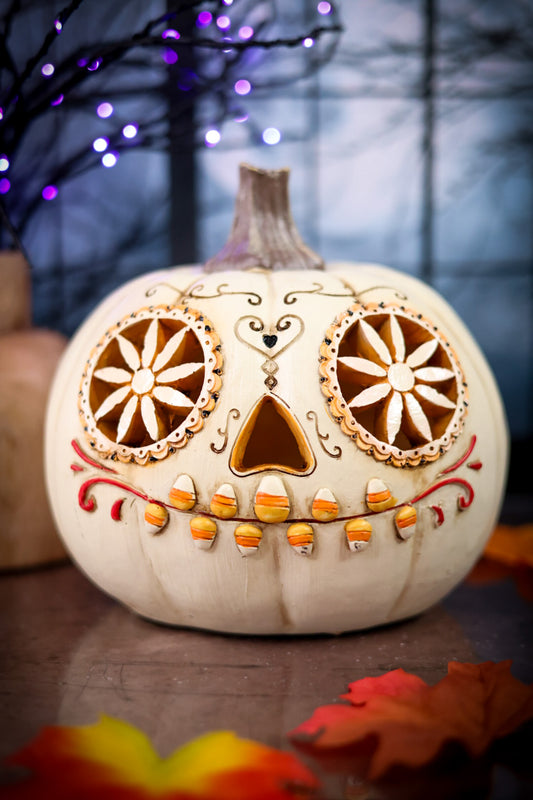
(409, 722)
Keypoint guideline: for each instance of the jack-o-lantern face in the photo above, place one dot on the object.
(319, 422)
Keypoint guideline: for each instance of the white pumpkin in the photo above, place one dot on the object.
(258, 447)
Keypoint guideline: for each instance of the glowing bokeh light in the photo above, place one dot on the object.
(246, 32)
(212, 137)
(324, 7)
(242, 86)
(204, 19)
(308, 42)
(130, 130)
(169, 56)
(109, 159)
(5, 186)
(93, 66)
(4, 163)
(170, 33)
(100, 144)
(104, 110)
(49, 192)
(227, 2)
(82, 62)
(47, 70)
(59, 99)
(223, 22)
(271, 136)
(1, 113)
(241, 117)
(58, 25)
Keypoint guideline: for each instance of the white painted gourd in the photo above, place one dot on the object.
(269, 445)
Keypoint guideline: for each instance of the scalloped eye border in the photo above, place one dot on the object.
(338, 407)
(194, 421)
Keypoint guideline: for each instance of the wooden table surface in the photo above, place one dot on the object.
(69, 653)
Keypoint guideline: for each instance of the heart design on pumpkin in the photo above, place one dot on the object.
(270, 340)
(249, 331)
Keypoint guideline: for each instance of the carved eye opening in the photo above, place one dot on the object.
(150, 382)
(394, 383)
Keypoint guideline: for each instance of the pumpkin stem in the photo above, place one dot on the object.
(263, 233)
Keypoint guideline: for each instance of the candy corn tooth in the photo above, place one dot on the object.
(183, 494)
(378, 496)
(358, 534)
(155, 517)
(271, 500)
(324, 506)
(405, 521)
(300, 537)
(224, 502)
(248, 538)
(203, 531)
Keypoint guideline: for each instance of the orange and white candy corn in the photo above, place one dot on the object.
(324, 507)
(358, 534)
(378, 496)
(203, 531)
(155, 517)
(183, 494)
(224, 502)
(300, 536)
(271, 500)
(248, 538)
(406, 522)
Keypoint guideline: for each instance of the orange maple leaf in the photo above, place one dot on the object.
(512, 546)
(113, 760)
(507, 554)
(410, 722)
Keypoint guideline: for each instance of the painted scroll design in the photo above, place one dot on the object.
(233, 413)
(87, 501)
(222, 290)
(318, 289)
(323, 437)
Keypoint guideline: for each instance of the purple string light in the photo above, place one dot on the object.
(109, 159)
(223, 22)
(49, 192)
(212, 137)
(246, 32)
(104, 110)
(169, 56)
(170, 33)
(130, 130)
(59, 99)
(47, 70)
(204, 19)
(242, 86)
(5, 185)
(100, 144)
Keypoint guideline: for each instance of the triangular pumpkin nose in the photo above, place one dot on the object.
(271, 438)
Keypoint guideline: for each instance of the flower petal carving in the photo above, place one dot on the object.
(150, 382)
(393, 382)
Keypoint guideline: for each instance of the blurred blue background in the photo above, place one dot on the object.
(410, 147)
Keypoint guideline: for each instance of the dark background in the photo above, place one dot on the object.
(408, 138)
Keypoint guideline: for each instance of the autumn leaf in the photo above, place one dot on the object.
(113, 760)
(507, 554)
(410, 722)
(512, 546)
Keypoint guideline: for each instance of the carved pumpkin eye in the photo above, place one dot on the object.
(150, 382)
(393, 383)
